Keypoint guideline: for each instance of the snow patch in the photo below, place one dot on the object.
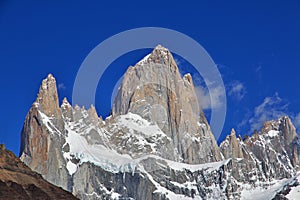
(273, 133)
(263, 193)
(71, 167)
(144, 60)
(139, 124)
(294, 194)
(209, 167)
(97, 154)
(47, 122)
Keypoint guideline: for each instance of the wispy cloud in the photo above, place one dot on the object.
(271, 108)
(258, 70)
(237, 90)
(178, 61)
(61, 86)
(296, 120)
(210, 99)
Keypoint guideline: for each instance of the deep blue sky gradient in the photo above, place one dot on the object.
(254, 42)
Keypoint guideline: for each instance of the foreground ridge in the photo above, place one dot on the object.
(17, 181)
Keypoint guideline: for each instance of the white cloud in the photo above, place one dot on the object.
(237, 90)
(178, 61)
(271, 108)
(210, 99)
(61, 86)
(297, 121)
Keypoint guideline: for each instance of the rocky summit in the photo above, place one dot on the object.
(155, 90)
(157, 144)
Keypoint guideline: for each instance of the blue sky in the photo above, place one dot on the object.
(256, 45)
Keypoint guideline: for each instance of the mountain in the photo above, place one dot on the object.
(17, 181)
(273, 152)
(155, 90)
(157, 144)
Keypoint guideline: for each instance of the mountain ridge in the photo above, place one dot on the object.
(153, 154)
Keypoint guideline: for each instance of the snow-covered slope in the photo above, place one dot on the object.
(294, 193)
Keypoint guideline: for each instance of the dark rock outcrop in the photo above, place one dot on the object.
(17, 181)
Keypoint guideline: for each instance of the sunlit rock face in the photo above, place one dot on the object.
(155, 90)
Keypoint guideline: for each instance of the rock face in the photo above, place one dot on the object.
(42, 136)
(154, 89)
(231, 147)
(17, 181)
(271, 153)
(157, 143)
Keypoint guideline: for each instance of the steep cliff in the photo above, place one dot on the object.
(155, 90)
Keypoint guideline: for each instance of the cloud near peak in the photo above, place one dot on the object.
(272, 108)
(237, 90)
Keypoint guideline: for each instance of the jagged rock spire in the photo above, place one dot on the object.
(67, 109)
(155, 90)
(291, 139)
(47, 99)
(231, 147)
(37, 149)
